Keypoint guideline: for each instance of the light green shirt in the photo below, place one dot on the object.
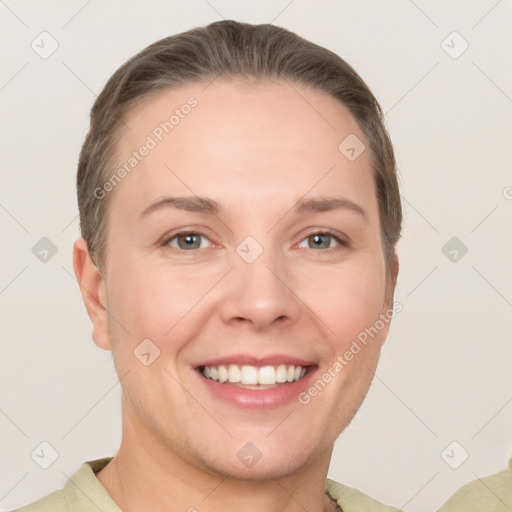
(83, 492)
(489, 494)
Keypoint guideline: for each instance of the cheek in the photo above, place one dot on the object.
(347, 300)
(155, 302)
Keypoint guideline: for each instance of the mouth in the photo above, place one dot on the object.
(250, 382)
(256, 382)
(254, 377)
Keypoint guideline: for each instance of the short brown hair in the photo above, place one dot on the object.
(228, 49)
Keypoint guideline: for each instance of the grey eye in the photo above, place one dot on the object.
(322, 241)
(318, 241)
(187, 241)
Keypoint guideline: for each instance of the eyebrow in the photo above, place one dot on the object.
(208, 206)
(325, 204)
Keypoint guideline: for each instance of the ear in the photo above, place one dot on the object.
(93, 290)
(395, 265)
(390, 291)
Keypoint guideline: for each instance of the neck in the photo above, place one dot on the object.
(145, 475)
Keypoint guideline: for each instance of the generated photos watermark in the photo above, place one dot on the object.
(357, 346)
(156, 136)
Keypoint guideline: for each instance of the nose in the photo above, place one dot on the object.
(260, 294)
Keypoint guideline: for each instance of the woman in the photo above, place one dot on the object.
(239, 209)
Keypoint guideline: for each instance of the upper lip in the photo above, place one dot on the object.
(253, 360)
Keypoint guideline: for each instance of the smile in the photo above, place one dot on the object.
(254, 376)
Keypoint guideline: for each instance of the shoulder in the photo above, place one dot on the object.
(54, 502)
(352, 500)
(490, 494)
(81, 490)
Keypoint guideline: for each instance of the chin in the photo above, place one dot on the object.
(263, 470)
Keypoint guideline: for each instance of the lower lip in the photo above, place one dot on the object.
(270, 398)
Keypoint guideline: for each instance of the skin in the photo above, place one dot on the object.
(256, 149)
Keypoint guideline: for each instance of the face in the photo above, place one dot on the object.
(245, 249)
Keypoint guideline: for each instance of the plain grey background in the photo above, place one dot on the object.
(443, 391)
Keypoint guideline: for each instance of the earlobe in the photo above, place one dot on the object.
(93, 290)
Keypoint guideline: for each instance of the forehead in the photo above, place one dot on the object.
(208, 138)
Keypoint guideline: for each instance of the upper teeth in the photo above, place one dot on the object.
(265, 375)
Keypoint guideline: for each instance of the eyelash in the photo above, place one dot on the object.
(337, 238)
